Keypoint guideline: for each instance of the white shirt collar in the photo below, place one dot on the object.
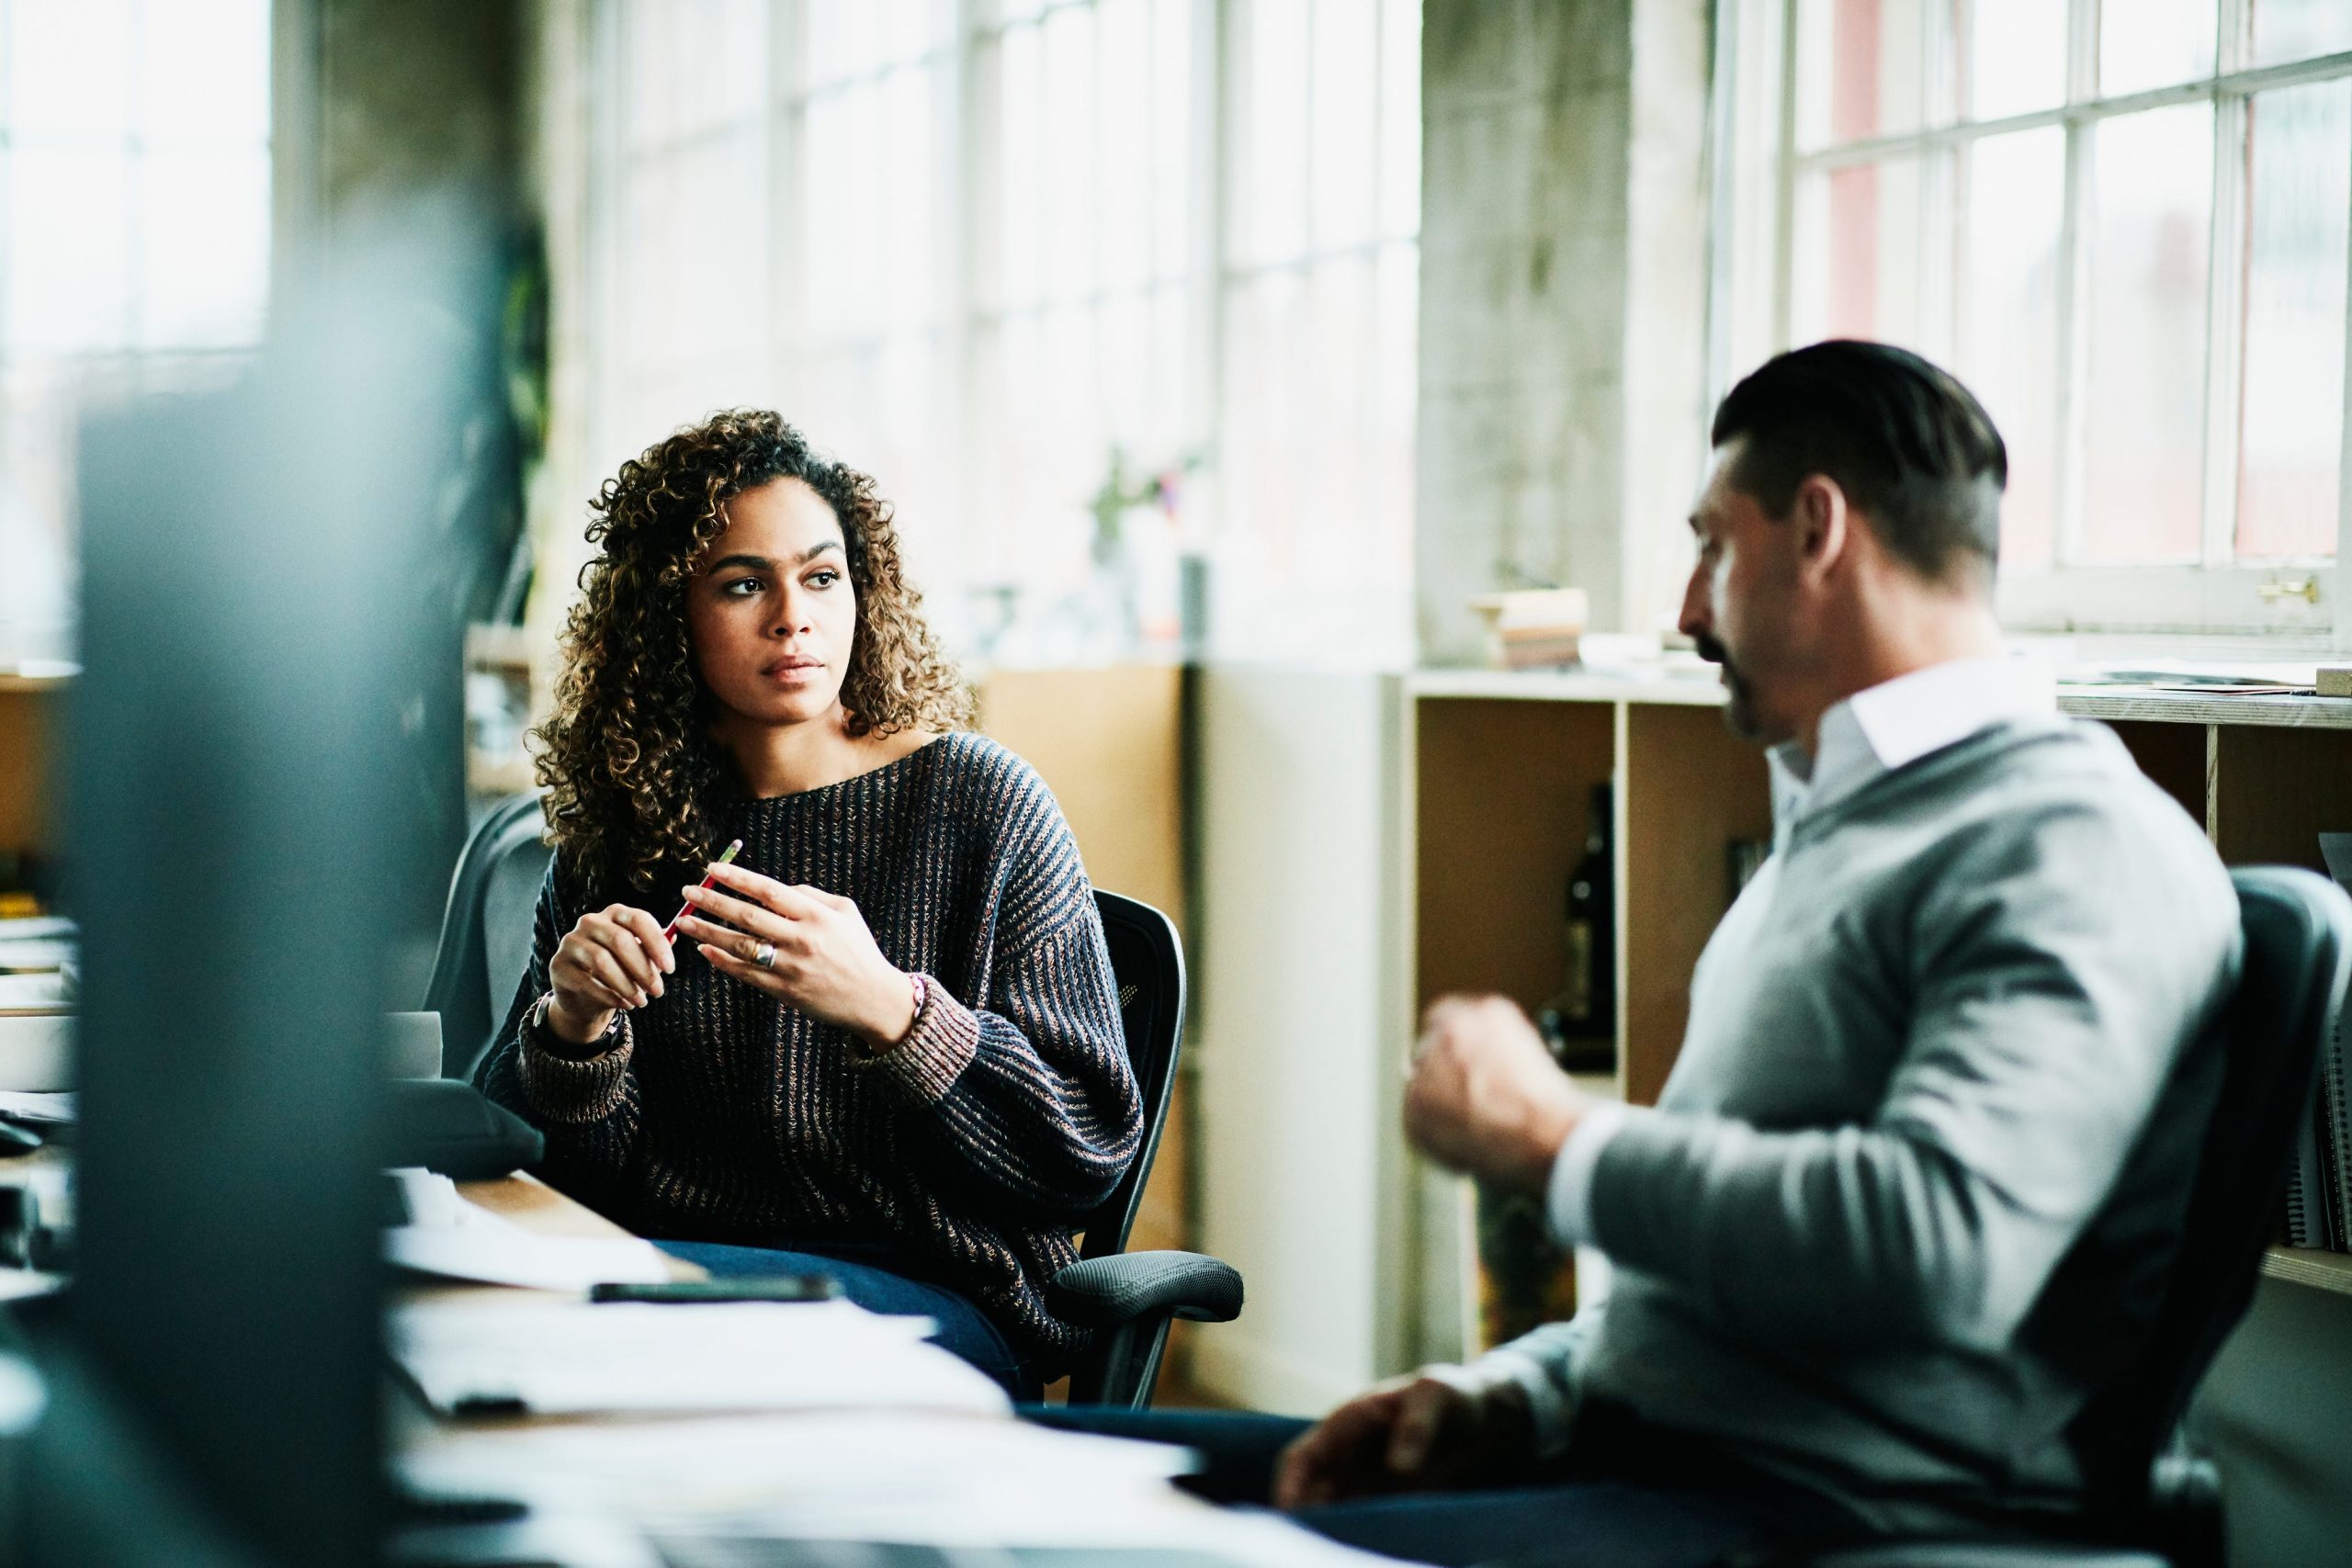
(1897, 722)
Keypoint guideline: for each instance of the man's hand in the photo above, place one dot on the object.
(1416, 1433)
(1485, 1098)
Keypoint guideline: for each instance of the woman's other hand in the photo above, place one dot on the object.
(825, 962)
(612, 960)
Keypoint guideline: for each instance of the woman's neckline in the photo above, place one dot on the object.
(873, 772)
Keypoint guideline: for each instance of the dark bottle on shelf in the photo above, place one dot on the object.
(1580, 1022)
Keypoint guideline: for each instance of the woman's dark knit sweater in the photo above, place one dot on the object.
(971, 1148)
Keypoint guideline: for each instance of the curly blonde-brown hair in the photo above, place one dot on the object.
(628, 766)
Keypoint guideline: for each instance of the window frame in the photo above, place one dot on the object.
(2285, 598)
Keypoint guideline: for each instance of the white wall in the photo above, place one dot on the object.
(1297, 1047)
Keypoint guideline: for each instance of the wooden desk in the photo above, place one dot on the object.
(971, 1478)
(535, 1206)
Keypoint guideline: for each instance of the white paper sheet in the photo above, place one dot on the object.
(895, 1476)
(47, 990)
(457, 1240)
(27, 927)
(35, 1052)
(34, 955)
(571, 1357)
(22, 1106)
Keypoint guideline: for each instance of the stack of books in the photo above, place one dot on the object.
(37, 966)
(1534, 628)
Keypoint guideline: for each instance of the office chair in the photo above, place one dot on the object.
(1129, 1298)
(2166, 1510)
(486, 928)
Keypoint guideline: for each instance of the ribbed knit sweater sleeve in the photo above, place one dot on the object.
(1029, 1092)
(589, 1106)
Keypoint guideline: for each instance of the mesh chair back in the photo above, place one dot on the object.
(2298, 961)
(1147, 963)
(486, 928)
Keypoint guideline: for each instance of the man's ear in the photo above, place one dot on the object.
(1824, 526)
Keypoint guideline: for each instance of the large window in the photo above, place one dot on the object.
(134, 244)
(2124, 224)
(975, 247)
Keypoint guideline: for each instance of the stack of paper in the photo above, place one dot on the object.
(575, 1357)
(973, 1491)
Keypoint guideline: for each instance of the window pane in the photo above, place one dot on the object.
(839, 215)
(2008, 342)
(2292, 430)
(1345, 86)
(1860, 71)
(204, 69)
(911, 251)
(2150, 224)
(1069, 131)
(914, 28)
(2155, 43)
(1859, 254)
(1269, 187)
(1400, 118)
(2298, 30)
(69, 252)
(844, 40)
(1171, 75)
(1015, 219)
(203, 249)
(1123, 166)
(69, 68)
(2014, 53)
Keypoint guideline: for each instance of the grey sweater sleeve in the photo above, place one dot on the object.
(2058, 963)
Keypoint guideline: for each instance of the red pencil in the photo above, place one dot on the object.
(725, 857)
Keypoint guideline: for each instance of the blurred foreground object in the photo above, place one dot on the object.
(237, 825)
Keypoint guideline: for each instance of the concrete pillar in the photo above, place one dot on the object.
(1563, 251)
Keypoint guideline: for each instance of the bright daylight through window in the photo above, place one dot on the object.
(977, 249)
(134, 245)
(2124, 225)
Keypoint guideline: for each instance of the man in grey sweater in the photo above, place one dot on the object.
(1910, 1196)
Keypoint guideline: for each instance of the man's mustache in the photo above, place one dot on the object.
(1712, 651)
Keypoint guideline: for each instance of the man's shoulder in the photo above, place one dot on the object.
(2075, 771)
(2059, 822)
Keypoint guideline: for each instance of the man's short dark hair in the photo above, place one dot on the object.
(1909, 445)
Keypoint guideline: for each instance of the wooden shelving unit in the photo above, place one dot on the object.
(1500, 765)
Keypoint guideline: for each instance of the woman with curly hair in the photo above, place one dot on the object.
(886, 1045)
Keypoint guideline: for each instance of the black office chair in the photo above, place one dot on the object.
(1129, 1298)
(2165, 1510)
(486, 928)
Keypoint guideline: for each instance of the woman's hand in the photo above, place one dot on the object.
(825, 962)
(612, 960)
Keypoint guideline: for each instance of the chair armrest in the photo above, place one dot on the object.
(1101, 1292)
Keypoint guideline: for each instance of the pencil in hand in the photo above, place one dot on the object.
(726, 857)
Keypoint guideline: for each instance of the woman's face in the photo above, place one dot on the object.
(770, 611)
